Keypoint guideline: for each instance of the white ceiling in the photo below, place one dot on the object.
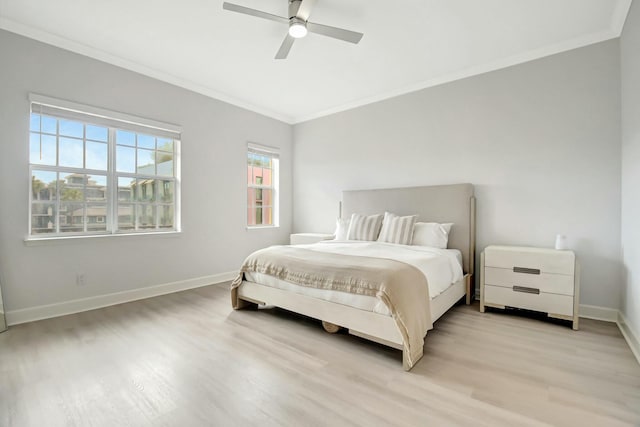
(407, 45)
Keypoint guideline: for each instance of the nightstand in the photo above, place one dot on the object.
(538, 279)
(308, 238)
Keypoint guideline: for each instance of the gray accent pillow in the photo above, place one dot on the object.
(364, 227)
(397, 229)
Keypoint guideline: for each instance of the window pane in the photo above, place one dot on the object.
(165, 213)
(267, 197)
(97, 133)
(96, 190)
(146, 162)
(125, 217)
(43, 185)
(43, 217)
(258, 210)
(266, 177)
(72, 187)
(125, 159)
(165, 163)
(267, 215)
(166, 191)
(126, 187)
(49, 125)
(97, 217)
(251, 215)
(257, 176)
(42, 149)
(165, 144)
(96, 155)
(71, 217)
(69, 128)
(71, 152)
(145, 190)
(146, 141)
(125, 138)
(146, 215)
(34, 122)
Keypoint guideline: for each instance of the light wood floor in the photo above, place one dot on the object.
(187, 360)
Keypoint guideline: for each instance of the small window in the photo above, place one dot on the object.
(262, 191)
(94, 174)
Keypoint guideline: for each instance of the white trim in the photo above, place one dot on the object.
(82, 49)
(36, 241)
(469, 72)
(598, 313)
(620, 16)
(100, 55)
(263, 149)
(31, 314)
(629, 335)
(89, 110)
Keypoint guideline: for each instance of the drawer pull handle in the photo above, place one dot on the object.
(526, 290)
(526, 270)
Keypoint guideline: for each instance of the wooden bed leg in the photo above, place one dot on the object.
(330, 327)
(470, 289)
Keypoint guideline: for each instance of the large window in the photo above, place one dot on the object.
(262, 191)
(96, 173)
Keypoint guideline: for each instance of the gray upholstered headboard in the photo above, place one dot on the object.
(439, 203)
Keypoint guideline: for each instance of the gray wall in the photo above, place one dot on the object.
(214, 140)
(630, 59)
(540, 141)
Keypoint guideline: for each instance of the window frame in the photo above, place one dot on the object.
(112, 121)
(274, 154)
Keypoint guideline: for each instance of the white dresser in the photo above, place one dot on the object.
(538, 279)
(308, 238)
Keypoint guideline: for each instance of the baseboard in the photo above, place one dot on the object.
(31, 314)
(598, 313)
(629, 335)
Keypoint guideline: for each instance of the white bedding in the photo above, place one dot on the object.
(442, 267)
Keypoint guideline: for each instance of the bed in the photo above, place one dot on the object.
(364, 315)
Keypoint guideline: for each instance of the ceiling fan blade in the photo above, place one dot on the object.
(253, 12)
(305, 9)
(336, 33)
(285, 47)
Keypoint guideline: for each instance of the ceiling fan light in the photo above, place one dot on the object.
(297, 30)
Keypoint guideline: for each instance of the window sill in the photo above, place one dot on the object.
(261, 227)
(37, 241)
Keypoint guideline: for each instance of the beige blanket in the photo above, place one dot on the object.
(401, 287)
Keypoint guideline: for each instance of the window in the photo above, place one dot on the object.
(99, 172)
(262, 191)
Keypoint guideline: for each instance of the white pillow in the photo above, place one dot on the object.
(431, 234)
(342, 228)
(397, 229)
(364, 227)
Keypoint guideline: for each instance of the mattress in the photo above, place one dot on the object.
(441, 267)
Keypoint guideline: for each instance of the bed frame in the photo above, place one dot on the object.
(443, 203)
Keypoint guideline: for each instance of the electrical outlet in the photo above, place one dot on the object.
(80, 279)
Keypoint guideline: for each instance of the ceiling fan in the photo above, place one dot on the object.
(299, 25)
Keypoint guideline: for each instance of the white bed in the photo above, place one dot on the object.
(448, 271)
(442, 267)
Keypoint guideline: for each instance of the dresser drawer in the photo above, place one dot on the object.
(544, 260)
(545, 282)
(548, 303)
